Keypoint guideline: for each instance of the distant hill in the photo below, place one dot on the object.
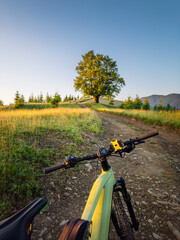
(172, 99)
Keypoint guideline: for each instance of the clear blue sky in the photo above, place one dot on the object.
(42, 41)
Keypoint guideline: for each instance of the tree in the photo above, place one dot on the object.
(170, 108)
(66, 98)
(160, 106)
(155, 108)
(18, 101)
(128, 104)
(48, 98)
(111, 101)
(41, 98)
(17, 96)
(38, 98)
(1, 103)
(137, 102)
(31, 98)
(146, 105)
(98, 76)
(22, 97)
(55, 100)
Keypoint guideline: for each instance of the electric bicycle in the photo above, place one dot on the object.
(104, 202)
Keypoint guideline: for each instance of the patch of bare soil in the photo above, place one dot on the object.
(151, 173)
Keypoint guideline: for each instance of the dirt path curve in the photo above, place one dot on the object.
(151, 173)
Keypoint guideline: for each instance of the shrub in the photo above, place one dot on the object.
(111, 102)
(18, 101)
(1, 103)
(146, 105)
(55, 100)
(137, 102)
(127, 104)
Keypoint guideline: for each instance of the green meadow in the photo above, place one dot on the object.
(31, 140)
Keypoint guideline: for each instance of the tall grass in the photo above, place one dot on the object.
(24, 152)
(160, 118)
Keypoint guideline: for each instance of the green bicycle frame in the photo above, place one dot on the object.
(98, 207)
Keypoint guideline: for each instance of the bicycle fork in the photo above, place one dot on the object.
(121, 186)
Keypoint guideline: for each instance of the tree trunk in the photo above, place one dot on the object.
(96, 99)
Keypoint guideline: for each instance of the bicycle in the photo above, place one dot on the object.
(104, 202)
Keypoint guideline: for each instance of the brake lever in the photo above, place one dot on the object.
(122, 154)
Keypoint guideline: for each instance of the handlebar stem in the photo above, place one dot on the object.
(102, 154)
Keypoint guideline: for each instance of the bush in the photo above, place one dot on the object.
(137, 103)
(146, 105)
(111, 102)
(127, 104)
(164, 108)
(55, 100)
(19, 103)
(1, 103)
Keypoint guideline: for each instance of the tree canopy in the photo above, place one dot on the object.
(137, 102)
(55, 100)
(18, 100)
(98, 76)
(146, 105)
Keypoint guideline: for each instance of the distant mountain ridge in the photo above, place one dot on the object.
(173, 99)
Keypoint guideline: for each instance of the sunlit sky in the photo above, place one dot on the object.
(41, 43)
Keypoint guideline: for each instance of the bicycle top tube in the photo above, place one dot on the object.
(98, 207)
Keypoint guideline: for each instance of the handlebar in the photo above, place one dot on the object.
(128, 147)
(52, 169)
(147, 135)
(142, 137)
(69, 162)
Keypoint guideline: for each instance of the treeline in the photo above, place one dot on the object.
(138, 104)
(168, 107)
(19, 100)
(48, 98)
(54, 100)
(70, 98)
(135, 104)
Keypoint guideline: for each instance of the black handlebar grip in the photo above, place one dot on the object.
(52, 169)
(147, 135)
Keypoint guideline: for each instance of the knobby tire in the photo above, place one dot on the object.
(120, 219)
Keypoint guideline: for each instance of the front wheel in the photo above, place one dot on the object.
(120, 219)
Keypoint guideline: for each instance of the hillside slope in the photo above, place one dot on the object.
(102, 100)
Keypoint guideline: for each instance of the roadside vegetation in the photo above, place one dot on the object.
(25, 150)
(161, 118)
(138, 104)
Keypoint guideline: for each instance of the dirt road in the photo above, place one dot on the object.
(151, 173)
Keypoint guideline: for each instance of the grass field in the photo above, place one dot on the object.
(25, 151)
(31, 139)
(41, 106)
(161, 118)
